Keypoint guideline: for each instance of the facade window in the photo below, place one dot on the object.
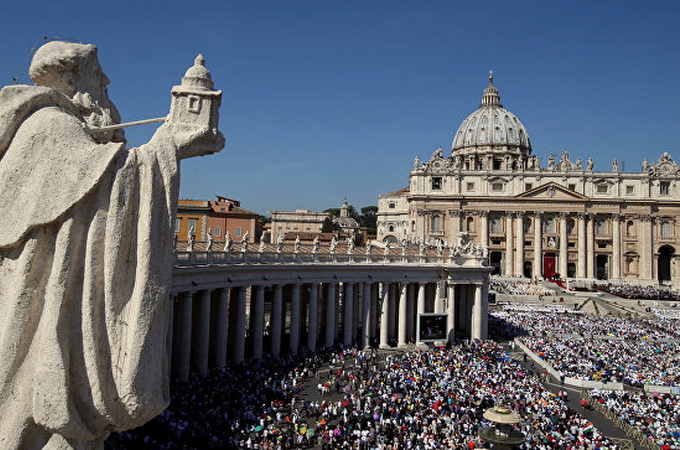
(218, 231)
(436, 223)
(436, 183)
(470, 187)
(497, 187)
(601, 227)
(178, 223)
(470, 225)
(630, 190)
(193, 224)
(665, 188)
(392, 205)
(665, 229)
(391, 228)
(572, 187)
(549, 225)
(527, 226)
(237, 232)
(496, 225)
(528, 186)
(602, 188)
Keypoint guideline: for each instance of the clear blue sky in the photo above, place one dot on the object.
(331, 99)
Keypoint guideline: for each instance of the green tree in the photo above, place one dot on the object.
(327, 225)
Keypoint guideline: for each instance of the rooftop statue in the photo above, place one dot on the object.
(85, 254)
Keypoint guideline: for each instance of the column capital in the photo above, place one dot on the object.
(454, 212)
(480, 213)
(563, 215)
(646, 217)
(537, 214)
(517, 214)
(618, 217)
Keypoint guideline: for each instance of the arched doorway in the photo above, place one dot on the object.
(664, 270)
(495, 259)
(528, 272)
(549, 269)
(602, 267)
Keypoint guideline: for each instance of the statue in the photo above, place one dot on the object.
(551, 162)
(646, 165)
(244, 241)
(297, 244)
(590, 164)
(421, 247)
(386, 251)
(334, 243)
(350, 245)
(191, 239)
(263, 246)
(315, 245)
(579, 164)
(615, 165)
(228, 243)
(416, 163)
(279, 243)
(208, 247)
(84, 235)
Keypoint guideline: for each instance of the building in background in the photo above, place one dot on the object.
(298, 221)
(564, 218)
(220, 216)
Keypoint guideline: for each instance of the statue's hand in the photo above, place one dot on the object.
(192, 141)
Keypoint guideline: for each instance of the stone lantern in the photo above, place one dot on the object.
(502, 434)
(195, 104)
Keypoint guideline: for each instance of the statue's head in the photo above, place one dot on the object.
(74, 70)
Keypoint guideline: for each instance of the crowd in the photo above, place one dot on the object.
(656, 416)
(519, 287)
(637, 291)
(417, 399)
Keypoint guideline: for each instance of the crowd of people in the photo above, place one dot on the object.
(519, 287)
(656, 416)
(638, 291)
(416, 399)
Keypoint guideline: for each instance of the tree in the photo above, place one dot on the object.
(369, 219)
(327, 226)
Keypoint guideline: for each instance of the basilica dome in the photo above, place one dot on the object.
(491, 129)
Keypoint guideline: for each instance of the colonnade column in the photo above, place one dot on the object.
(277, 310)
(295, 318)
(451, 312)
(564, 245)
(200, 340)
(519, 245)
(538, 244)
(582, 258)
(330, 315)
(313, 315)
(366, 318)
(258, 322)
(182, 336)
(219, 355)
(508, 245)
(477, 314)
(616, 246)
(384, 314)
(590, 247)
(240, 332)
(401, 332)
(348, 322)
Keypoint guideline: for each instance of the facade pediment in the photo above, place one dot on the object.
(551, 191)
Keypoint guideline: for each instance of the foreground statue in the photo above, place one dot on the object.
(86, 234)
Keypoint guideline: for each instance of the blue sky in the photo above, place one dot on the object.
(324, 100)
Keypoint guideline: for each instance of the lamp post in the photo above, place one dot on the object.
(502, 434)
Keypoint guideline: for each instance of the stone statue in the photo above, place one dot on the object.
(191, 239)
(551, 162)
(279, 243)
(228, 243)
(350, 245)
(615, 165)
(334, 244)
(416, 163)
(646, 165)
(208, 247)
(421, 247)
(297, 244)
(590, 164)
(263, 246)
(386, 251)
(368, 249)
(315, 245)
(85, 261)
(579, 164)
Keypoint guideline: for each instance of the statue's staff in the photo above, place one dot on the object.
(130, 124)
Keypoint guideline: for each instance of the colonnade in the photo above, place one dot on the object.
(216, 326)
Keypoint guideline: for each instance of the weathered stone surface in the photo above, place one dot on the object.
(85, 256)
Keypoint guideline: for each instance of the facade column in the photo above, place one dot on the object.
(484, 326)
(519, 245)
(616, 247)
(582, 258)
(484, 216)
(438, 307)
(538, 245)
(330, 315)
(451, 312)
(454, 224)
(384, 314)
(182, 336)
(420, 307)
(258, 322)
(276, 319)
(313, 315)
(647, 253)
(564, 245)
(240, 331)
(401, 331)
(348, 322)
(295, 318)
(219, 356)
(590, 247)
(508, 246)
(366, 318)
(200, 340)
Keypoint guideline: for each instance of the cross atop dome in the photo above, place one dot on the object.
(491, 76)
(491, 97)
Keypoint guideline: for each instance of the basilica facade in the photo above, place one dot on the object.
(536, 220)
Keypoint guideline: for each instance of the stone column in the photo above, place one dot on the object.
(277, 310)
(477, 314)
(330, 315)
(240, 324)
(508, 246)
(538, 245)
(219, 356)
(454, 225)
(182, 336)
(366, 318)
(451, 312)
(582, 257)
(519, 245)
(616, 247)
(484, 216)
(384, 314)
(313, 315)
(590, 247)
(438, 307)
(348, 322)
(258, 322)
(564, 244)
(201, 332)
(295, 318)
(401, 332)
(484, 326)
(647, 253)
